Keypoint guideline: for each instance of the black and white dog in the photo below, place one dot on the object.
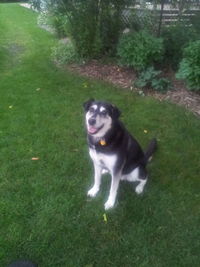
(114, 150)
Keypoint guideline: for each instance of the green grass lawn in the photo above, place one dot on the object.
(45, 215)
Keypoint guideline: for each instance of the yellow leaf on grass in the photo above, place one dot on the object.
(105, 218)
(85, 85)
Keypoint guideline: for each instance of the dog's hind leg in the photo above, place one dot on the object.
(140, 187)
(142, 179)
(97, 181)
(139, 174)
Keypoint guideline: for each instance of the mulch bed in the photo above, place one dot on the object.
(124, 77)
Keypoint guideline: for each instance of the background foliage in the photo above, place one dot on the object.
(151, 78)
(176, 38)
(190, 66)
(98, 29)
(94, 26)
(140, 50)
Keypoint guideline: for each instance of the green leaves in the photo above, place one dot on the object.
(140, 50)
(189, 69)
(150, 78)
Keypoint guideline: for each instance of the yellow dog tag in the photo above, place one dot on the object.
(102, 142)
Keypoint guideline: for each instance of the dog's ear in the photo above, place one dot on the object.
(115, 112)
(88, 103)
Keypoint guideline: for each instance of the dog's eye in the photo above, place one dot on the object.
(104, 112)
(91, 110)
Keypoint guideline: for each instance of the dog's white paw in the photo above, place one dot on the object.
(139, 189)
(109, 205)
(93, 191)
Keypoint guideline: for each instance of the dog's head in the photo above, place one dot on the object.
(100, 117)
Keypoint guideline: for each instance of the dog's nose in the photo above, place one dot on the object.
(92, 121)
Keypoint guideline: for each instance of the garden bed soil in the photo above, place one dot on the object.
(124, 78)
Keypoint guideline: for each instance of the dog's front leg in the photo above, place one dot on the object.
(97, 181)
(113, 191)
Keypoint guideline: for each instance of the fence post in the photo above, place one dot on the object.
(161, 17)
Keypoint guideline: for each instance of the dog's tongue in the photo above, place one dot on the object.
(92, 130)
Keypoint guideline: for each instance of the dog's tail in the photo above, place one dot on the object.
(150, 150)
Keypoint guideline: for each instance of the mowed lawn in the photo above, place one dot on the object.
(45, 214)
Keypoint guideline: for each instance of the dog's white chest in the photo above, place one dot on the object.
(105, 161)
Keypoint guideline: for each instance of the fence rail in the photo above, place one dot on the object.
(170, 16)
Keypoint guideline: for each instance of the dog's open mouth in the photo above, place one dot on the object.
(94, 130)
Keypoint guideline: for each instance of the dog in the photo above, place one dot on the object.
(114, 150)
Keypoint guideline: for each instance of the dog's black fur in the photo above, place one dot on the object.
(121, 143)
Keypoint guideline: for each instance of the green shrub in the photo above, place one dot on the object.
(146, 77)
(65, 53)
(83, 23)
(56, 21)
(189, 69)
(150, 78)
(161, 84)
(175, 39)
(36, 4)
(94, 26)
(140, 50)
(109, 24)
(60, 23)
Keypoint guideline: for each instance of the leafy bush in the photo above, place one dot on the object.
(189, 69)
(161, 84)
(146, 77)
(65, 53)
(83, 27)
(60, 23)
(150, 78)
(94, 26)
(110, 24)
(175, 39)
(54, 20)
(140, 50)
(36, 4)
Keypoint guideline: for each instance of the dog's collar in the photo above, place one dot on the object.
(99, 141)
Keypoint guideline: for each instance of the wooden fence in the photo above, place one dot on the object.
(170, 16)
